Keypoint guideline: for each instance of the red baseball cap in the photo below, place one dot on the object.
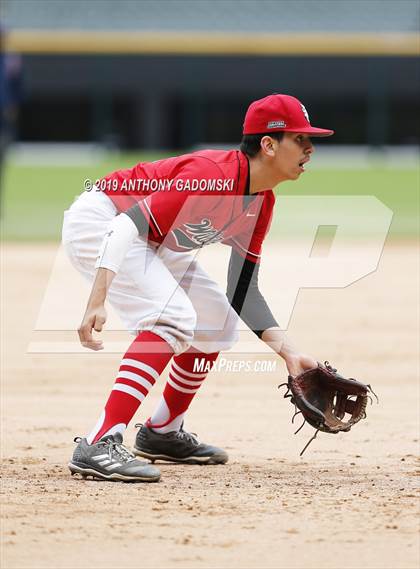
(280, 113)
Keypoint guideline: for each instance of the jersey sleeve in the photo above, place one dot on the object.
(157, 213)
(245, 297)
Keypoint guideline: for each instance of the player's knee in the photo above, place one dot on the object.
(231, 340)
(177, 324)
(221, 337)
(230, 333)
(230, 330)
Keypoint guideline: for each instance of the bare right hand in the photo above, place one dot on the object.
(94, 319)
(298, 363)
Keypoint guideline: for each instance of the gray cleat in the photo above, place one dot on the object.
(108, 459)
(176, 446)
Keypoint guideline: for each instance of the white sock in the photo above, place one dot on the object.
(161, 415)
(119, 428)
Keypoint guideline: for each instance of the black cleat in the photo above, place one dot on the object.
(108, 459)
(176, 446)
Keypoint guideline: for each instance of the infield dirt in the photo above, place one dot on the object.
(352, 501)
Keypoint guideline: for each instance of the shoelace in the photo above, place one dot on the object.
(181, 434)
(120, 450)
(189, 437)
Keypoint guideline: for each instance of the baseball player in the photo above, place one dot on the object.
(136, 235)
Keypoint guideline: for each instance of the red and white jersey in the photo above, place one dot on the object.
(196, 199)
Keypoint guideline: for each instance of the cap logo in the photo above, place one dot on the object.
(305, 112)
(276, 124)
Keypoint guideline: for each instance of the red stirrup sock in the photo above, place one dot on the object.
(141, 366)
(188, 371)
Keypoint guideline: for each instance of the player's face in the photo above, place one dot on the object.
(291, 155)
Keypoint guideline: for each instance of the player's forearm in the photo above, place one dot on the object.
(120, 235)
(245, 297)
(277, 340)
(118, 239)
(100, 287)
(296, 362)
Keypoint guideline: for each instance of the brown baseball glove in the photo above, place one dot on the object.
(325, 397)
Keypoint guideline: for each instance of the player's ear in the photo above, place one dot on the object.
(267, 145)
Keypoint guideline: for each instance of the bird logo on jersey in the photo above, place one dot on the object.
(197, 234)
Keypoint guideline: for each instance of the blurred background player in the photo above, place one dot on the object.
(10, 98)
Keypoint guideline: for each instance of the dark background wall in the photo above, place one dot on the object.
(161, 101)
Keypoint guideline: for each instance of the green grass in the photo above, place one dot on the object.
(398, 189)
(34, 198)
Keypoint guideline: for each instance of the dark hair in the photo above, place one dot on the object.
(251, 143)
